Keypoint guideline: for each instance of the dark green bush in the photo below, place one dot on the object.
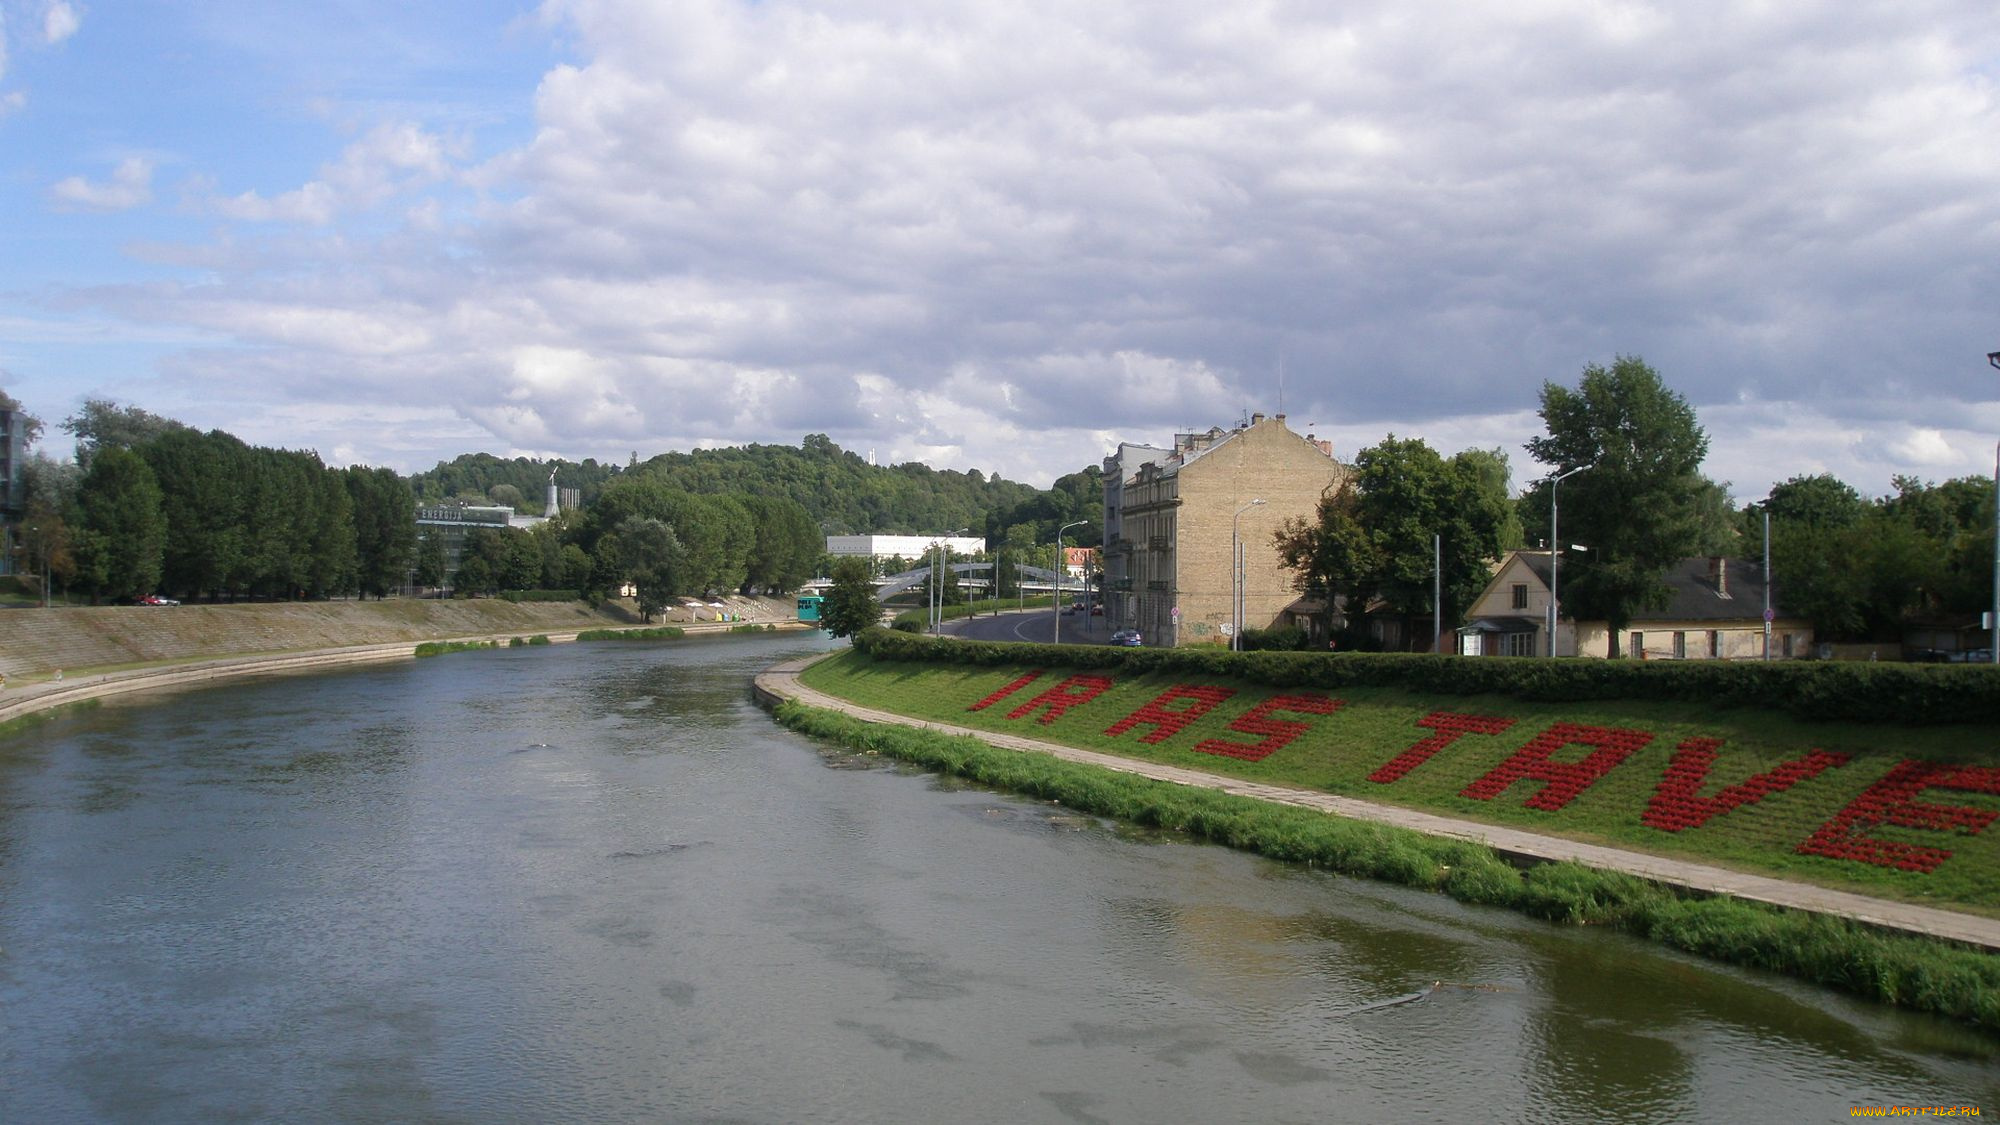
(1911, 694)
(662, 633)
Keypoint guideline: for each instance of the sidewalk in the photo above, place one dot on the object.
(782, 682)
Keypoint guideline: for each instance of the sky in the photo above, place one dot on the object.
(1005, 236)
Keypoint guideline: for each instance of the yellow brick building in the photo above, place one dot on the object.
(1168, 517)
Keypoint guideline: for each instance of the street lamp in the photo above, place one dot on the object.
(1236, 583)
(1555, 550)
(43, 545)
(938, 552)
(1993, 641)
(1059, 570)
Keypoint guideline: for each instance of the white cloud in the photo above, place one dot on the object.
(12, 101)
(59, 21)
(130, 185)
(388, 161)
(995, 234)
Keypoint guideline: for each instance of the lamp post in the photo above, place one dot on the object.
(1236, 576)
(1059, 570)
(1555, 551)
(1993, 641)
(939, 552)
(42, 545)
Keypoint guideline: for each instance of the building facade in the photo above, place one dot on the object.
(1173, 521)
(901, 546)
(452, 522)
(13, 486)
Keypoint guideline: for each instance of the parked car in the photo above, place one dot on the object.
(1097, 611)
(1127, 638)
(1973, 656)
(155, 599)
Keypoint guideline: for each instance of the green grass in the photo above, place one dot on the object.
(1912, 972)
(37, 718)
(1375, 724)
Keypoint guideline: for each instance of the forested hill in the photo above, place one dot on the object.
(840, 490)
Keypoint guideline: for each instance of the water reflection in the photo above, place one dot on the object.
(594, 883)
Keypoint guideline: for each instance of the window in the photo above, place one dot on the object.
(1714, 644)
(1788, 646)
(1517, 644)
(1638, 644)
(1520, 595)
(1680, 645)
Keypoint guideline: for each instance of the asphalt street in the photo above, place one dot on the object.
(1036, 625)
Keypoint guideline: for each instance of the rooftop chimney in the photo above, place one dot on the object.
(1718, 573)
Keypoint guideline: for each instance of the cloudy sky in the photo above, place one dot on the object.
(1005, 236)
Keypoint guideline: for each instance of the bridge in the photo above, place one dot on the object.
(973, 576)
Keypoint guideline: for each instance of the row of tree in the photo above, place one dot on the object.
(1629, 452)
(842, 491)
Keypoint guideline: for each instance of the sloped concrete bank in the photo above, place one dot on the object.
(781, 682)
(92, 649)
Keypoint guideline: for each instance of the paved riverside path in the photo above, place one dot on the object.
(782, 682)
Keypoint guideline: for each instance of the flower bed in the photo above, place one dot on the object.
(1691, 784)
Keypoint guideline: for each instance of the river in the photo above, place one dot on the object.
(596, 883)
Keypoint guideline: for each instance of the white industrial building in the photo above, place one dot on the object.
(901, 546)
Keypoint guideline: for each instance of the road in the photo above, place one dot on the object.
(1036, 626)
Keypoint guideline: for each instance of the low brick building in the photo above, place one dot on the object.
(1168, 523)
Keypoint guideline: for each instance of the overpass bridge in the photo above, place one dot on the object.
(971, 576)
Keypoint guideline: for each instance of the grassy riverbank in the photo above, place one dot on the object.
(84, 639)
(1790, 779)
(1916, 973)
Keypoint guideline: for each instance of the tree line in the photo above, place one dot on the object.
(1629, 451)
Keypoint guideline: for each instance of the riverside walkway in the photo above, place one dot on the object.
(782, 682)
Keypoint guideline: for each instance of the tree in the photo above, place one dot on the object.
(1817, 551)
(850, 604)
(1381, 534)
(128, 530)
(385, 528)
(1638, 503)
(103, 424)
(429, 560)
(651, 558)
(1333, 556)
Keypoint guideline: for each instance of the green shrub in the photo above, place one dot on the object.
(661, 633)
(518, 596)
(1907, 694)
(439, 648)
(539, 639)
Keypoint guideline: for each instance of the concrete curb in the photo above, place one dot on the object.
(781, 682)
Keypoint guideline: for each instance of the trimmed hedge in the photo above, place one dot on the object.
(1907, 694)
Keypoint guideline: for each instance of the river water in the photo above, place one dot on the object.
(595, 883)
